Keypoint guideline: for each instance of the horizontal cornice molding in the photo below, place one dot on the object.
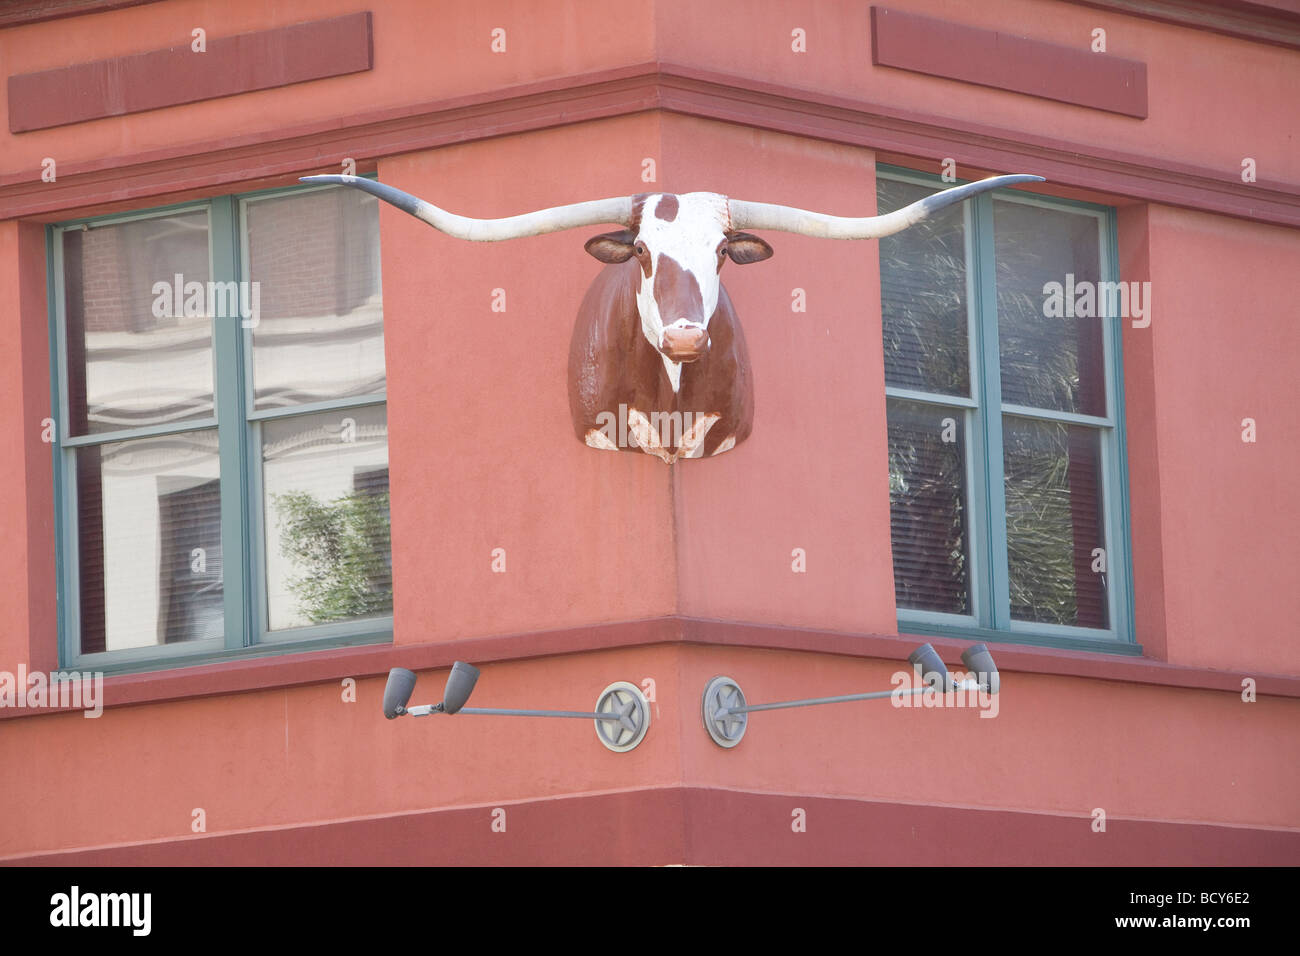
(251, 674)
(1263, 21)
(701, 826)
(18, 13)
(235, 162)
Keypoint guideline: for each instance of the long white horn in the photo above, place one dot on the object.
(593, 212)
(761, 215)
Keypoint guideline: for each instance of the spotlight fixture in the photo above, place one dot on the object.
(726, 712)
(979, 662)
(397, 691)
(621, 717)
(929, 665)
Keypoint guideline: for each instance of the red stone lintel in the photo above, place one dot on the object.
(230, 65)
(1262, 21)
(1007, 62)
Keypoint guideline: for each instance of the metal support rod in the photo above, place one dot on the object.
(426, 710)
(873, 695)
(508, 712)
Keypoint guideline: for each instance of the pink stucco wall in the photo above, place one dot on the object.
(482, 455)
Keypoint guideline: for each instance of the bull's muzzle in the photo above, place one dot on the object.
(684, 343)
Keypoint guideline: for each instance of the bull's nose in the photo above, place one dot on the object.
(684, 343)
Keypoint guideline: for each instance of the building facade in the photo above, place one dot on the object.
(269, 440)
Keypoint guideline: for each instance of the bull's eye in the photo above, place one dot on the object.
(639, 248)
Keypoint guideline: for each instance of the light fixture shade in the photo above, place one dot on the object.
(927, 662)
(401, 683)
(460, 684)
(979, 662)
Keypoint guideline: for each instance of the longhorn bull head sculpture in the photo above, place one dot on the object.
(658, 362)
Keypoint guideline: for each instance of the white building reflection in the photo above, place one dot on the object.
(151, 565)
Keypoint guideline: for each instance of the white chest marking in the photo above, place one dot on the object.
(693, 441)
(674, 370)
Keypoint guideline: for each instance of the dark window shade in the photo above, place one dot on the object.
(75, 315)
(373, 484)
(90, 519)
(927, 508)
(192, 598)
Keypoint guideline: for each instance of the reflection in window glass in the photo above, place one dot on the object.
(927, 507)
(923, 297)
(150, 541)
(325, 500)
(1047, 361)
(1054, 522)
(320, 329)
(134, 357)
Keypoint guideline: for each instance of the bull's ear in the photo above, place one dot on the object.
(612, 247)
(744, 248)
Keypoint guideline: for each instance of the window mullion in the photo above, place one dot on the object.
(973, 423)
(66, 550)
(1115, 454)
(994, 581)
(227, 336)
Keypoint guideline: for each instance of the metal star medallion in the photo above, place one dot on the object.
(728, 697)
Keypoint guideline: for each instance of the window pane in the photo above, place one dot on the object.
(134, 357)
(1054, 521)
(149, 514)
(325, 487)
(927, 507)
(319, 333)
(923, 297)
(1048, 362)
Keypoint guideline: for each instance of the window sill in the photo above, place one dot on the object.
(159, 666)
(1026, 637)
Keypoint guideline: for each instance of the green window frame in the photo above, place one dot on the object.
(986, 541)
(238, 424)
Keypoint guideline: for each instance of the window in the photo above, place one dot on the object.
(1008, 511)
(222, 439)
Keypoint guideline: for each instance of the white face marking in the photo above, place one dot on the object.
(691, 239)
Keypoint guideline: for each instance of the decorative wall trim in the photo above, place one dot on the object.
(707, 826)
(900, 136)
(261, 60)
(313, 667)
(1005, 61)
(1276, 22)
